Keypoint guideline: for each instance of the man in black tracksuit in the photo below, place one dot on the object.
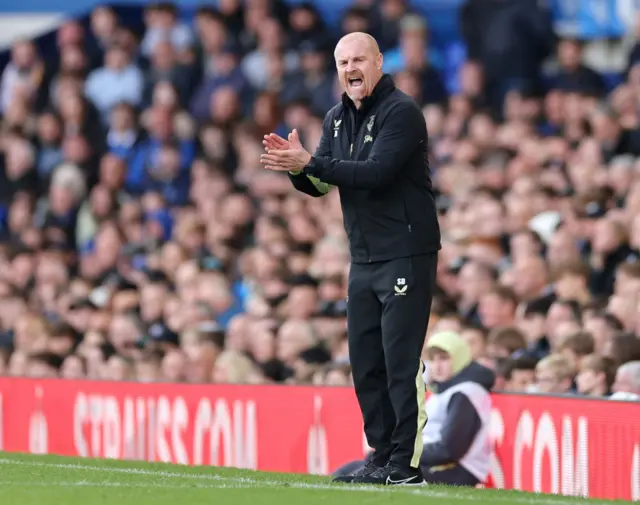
(374, 149)
(457, 445)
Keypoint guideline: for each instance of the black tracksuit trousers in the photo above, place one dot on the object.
(387, 315)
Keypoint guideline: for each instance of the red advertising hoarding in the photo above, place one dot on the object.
(569, 446)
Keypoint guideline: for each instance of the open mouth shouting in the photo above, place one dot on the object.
(355, 82)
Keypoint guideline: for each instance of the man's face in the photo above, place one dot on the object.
(471, 78)
(112, 172)
(313, 61)
(23, 55)
(121, 118)
(626, 285)
(173, 366)
(147, 371)
(476, 342)
(302, 302)
(152, 298)
(558, 313)
(439, 365)
(635, 232)
(201, 359)
(532, 325)
(600, 330)
(61, 345)
(548, 382)
(413, 49)
(359, 67)
(494, 311)
(569, 54)
(116, 58)
(624, 384)
(116, 369)
(520, 381)
(587, 380)
(497, 351)
(531, 277)
(523, 246)
(72, 368)
(40, 370)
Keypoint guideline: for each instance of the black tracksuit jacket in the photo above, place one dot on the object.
(377, 157)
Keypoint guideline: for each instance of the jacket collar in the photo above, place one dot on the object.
(383, 88)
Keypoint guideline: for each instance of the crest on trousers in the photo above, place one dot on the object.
(401, 286)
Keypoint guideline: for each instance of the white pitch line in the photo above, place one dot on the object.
(141, 485)
(531, 500)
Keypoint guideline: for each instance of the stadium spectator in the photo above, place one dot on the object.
(497, 307)
(531, 321)
(554, 375)
(73, 367)
(573, 75)
(562, 320)
(572, 282)
(622, 348)
(103, 30)
(162, 23)
(576, 346)
(596, 376)
(504, 342)
(476, 339)
(473, 280)
(271, 43)
(603, 326)
(519, 374)
(43, 365)
(510, 56)
(414, 55)
(22, 78)
(119, 80)
(627, 382)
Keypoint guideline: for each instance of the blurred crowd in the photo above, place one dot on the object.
(140, 239)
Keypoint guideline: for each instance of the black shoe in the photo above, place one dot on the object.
(392, 475)
(369, 468)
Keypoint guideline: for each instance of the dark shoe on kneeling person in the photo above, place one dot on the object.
(392, 475)
(367, 469)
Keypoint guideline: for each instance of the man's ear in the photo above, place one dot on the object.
(380, 61)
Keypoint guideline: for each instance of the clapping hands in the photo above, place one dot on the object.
(284, 155)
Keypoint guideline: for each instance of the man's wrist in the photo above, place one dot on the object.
(309, 167)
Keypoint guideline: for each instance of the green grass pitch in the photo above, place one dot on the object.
(53, 480)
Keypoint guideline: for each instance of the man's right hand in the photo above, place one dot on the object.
(274, 141)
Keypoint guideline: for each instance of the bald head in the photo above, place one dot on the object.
(359, 65)
(359, 38)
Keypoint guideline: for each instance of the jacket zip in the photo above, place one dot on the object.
(354, 140)
(406, 212)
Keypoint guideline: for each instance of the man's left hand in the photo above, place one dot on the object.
(293, 159)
